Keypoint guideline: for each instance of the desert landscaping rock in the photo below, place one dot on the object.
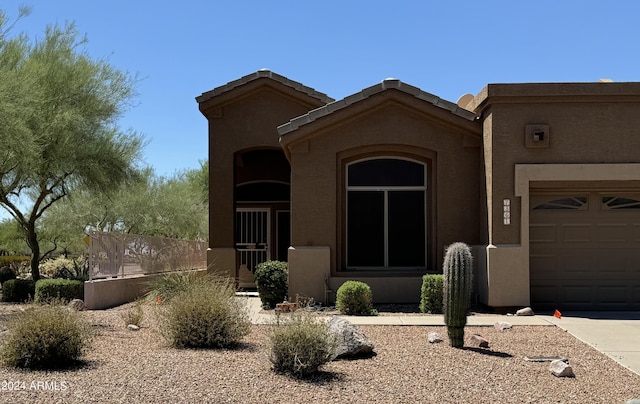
(560, 368)
(351, 341)
(126, 367)
(527, 311)
(434, 338)
(77, 304)
(502, 325)
(479, 341)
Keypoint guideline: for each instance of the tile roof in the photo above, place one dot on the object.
(262, 73)
(366, 93)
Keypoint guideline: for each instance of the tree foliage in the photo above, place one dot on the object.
(58, 113)
(153, 206)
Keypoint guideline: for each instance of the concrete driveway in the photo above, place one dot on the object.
(616, 334)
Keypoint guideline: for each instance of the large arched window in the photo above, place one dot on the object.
(386, 213)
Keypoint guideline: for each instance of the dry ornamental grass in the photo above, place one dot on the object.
(139, 367)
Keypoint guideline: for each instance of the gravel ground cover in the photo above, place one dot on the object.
(138, 367)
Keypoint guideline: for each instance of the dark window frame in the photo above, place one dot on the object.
(411, 189)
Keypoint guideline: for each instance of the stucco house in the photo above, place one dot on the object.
(542, 180)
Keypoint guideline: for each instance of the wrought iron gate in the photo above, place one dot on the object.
(252, 236)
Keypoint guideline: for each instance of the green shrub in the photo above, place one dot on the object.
(6, 273)
(134, 314)
(65, 268)
(432, 293)
(272, 282)
(205, 315)
(45, 337)
(18, 290)
(301, 345)
(354, 298)
(164, 288)
(63, 289)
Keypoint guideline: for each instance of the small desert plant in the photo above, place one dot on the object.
(18, 290)
(45, 337)
(272, 282)
(56, 267)
(134, 314)
(164, 288)
(355, 298)
(457, 270)
(6, 273)
(431, 294)
(301, 345)
(205, 315)
(63, 289)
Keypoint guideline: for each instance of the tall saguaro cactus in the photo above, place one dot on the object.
(458, 274)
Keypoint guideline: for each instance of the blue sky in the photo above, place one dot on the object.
(182, 49)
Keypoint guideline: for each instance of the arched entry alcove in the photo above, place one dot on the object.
(262, 212)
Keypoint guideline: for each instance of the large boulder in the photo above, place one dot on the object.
(351, 342)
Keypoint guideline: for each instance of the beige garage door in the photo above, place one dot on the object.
(585, 251)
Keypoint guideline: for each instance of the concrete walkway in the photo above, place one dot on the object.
(616, 334)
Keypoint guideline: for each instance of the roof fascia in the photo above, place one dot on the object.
(530, 93)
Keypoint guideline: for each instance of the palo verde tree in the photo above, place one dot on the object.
(58, 112)
(173, 207)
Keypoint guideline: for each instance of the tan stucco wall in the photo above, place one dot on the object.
(402, 127)
(594, 132)
(309, 277)
(243, 119)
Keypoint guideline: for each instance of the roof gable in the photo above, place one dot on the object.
(385, 85)
(261, 74)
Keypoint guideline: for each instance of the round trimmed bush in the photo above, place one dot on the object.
(355, 298)
(45, 337)
(272, 282)
(6, 273)
(205, 315)
(301, 345)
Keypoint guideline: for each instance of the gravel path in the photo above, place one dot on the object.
(138, 367)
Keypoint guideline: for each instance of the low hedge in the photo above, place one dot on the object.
(432, 294)
(64, 289)
(18, 290)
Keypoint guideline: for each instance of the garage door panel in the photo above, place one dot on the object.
(543, 233)
(546, 268)
(612, 295)
(576, 233)
(577, 295)
(635, 295)
(585, 251)
(613, 233)
(577, 264)
(546, 294)
(635, 230)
